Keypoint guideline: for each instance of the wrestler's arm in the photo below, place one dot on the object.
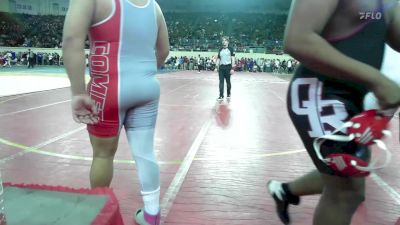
(304, 42)
(162, 39)
(393, 33)
(76, 26)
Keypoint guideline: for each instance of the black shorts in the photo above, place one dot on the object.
(316, 110)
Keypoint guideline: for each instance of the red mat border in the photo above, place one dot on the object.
(109, 215)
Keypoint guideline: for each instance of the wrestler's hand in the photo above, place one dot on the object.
(232, 71)
(84, 109)
(387, 93)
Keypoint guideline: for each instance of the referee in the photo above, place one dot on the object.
(225, 63)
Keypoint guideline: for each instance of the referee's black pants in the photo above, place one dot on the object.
(224, 72)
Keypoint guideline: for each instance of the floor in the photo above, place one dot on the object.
(215, 158)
